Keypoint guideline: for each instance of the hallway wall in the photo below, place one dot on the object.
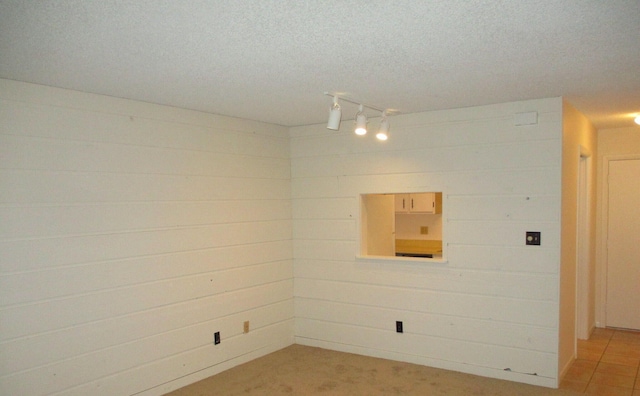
(612, 143)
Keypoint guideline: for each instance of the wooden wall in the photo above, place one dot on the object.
(492, 308)
(129, 234)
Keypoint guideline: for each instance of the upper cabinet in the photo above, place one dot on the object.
(429, 203)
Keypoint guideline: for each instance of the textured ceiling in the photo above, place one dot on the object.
(271, 60)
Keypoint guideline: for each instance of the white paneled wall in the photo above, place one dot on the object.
(129, 234)
(492, 308)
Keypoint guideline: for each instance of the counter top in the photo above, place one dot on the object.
(418, 246)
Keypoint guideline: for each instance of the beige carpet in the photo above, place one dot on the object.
(303, 370)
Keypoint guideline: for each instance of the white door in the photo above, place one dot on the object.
(378, 234)
(623, 253)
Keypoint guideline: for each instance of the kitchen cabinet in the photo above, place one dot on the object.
(429, 203)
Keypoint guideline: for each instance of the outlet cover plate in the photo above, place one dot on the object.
(533, 238)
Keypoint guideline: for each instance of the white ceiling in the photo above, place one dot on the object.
(272, 60)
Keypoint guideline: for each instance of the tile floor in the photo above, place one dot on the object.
(607, 364)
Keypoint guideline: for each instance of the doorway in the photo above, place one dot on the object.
(622, 305)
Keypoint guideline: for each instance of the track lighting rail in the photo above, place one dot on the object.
(335, 115)
(356, 102)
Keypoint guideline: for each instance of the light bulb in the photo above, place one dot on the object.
(383, 131)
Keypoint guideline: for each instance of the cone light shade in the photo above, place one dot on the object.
(383, 131)
(335, 114)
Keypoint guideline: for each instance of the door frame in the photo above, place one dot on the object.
(584, 272)
(603, 226)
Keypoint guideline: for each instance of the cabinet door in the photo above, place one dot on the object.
(422, 203)
(402, 203)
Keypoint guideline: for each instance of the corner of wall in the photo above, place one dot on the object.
(578, 138)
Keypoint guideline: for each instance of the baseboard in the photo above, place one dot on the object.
(481, 371)
(565, 369)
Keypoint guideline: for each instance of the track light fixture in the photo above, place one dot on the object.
(361, 122)
(383, 131)
(335, 115)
